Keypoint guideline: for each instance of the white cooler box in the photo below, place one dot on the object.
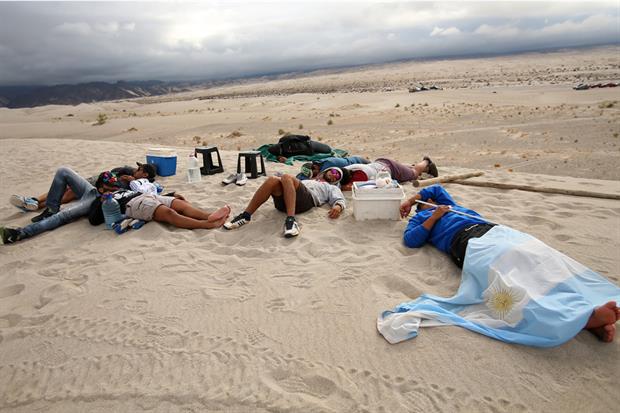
(370, 202)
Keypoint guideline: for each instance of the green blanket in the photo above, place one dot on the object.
(338, 153)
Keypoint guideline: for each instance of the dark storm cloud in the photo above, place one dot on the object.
(48, 43)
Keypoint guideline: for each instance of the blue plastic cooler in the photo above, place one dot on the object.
(164, 159)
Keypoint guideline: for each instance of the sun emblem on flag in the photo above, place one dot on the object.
(505, 302)
(501, 302)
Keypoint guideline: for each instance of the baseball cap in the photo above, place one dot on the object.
(149, 168)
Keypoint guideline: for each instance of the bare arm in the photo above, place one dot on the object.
(405, 207)
(440, 211)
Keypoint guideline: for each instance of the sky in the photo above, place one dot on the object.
(45, 43)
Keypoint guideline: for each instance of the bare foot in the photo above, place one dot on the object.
(223, 212)
(603, 315)
(605, 333)
(214, 224)
(602, 321)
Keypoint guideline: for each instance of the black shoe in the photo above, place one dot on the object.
(291, 228)
(43, 215)
(432, 168)
(9, 235)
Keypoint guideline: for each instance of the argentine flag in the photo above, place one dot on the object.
(514, 288)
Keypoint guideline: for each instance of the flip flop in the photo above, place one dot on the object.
(221, 213)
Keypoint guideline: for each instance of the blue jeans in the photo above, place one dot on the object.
(340, 162)
(84, 191)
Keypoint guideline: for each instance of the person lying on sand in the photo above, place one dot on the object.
(313, 169)
(292, 196)
(172, 209)
(52, 217)
(126, 174)
(514, 287)
(366, 172)
(296, 145)
(334, 175)
(405, 173)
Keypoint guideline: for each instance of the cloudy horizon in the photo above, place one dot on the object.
(54, 42)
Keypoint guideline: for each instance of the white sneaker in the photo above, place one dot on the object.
(23, 203)
(229, 179)
(241, 179)
(237, 222)
(291, 228)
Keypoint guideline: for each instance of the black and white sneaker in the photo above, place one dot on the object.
(291, 227)
(238, 221)
(229, 179)
(43, 215)
(9, 235)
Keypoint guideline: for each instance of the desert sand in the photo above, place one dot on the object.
(170, 320)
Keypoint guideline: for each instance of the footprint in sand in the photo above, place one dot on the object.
(10, 320)
(11, 290)
(563, 237)
(277, 304)
(564, 214)
(392, 283)
(538, 221)
(58, 293)
(227, 286)
(311, 385)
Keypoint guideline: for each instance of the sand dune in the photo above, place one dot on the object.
(162, 319)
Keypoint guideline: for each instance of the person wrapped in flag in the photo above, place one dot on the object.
(514, 288)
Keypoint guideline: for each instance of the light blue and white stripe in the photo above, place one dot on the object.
(514, 288)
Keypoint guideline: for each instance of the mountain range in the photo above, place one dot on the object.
(31, 96)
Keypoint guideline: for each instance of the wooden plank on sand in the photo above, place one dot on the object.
(447, 178)
(530, 188)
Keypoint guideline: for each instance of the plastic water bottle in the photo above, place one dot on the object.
(383, 179)
(111, 211)
(193, 169)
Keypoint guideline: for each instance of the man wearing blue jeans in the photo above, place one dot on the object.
(312, 169)
(84, 192)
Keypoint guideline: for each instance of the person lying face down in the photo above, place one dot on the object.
(514, 287)
(292, 196)
(297, 145)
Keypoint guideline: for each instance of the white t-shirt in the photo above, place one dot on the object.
(370, 169)
(144, 186)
